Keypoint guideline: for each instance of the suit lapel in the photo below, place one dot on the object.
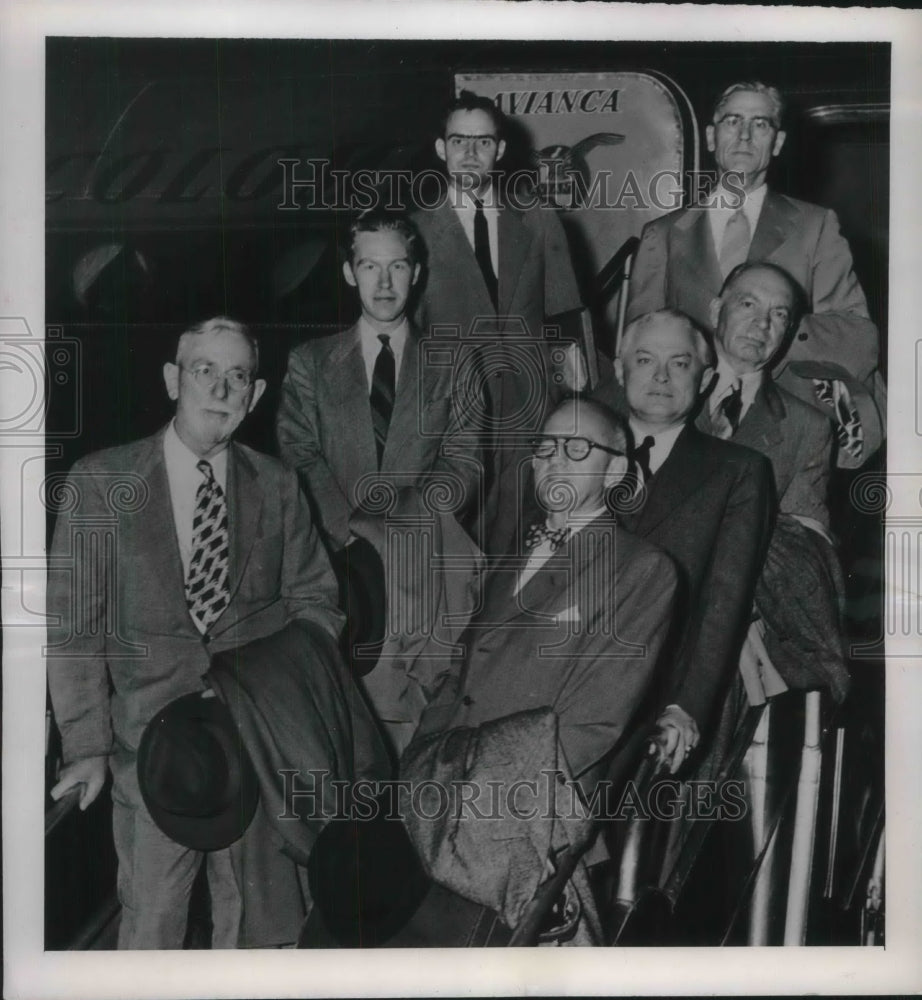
(244, 510)
(760, 428)
(162, 545)
(685, 470)
(775, 223)
(410, 396)
(349, 400)
(458, 253)
(694, 246)
(514, 242)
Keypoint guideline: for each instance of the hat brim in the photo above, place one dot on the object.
(228, 824)
(363, 599)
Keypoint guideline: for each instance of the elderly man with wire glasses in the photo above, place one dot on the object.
(575, 619)
(211, 547)
(684, 257)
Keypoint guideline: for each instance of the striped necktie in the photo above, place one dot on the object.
(207, 591)
(383, 382)
(726, 418)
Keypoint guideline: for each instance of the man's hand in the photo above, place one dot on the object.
(89, 772)
(678, 736)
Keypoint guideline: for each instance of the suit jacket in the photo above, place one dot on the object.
(796, 439)
(118, 606)
(582, 637)
(536, 280)
(709, 506)
(676, 266)
(325, 431)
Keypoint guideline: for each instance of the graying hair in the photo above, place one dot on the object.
(702, 344)
(222, 324)
(772, 93)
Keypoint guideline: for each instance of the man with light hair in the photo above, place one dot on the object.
(215, 548)
(685, 256)
(708, 504)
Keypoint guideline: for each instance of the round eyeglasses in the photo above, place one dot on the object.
(208, 376)
(575, 448)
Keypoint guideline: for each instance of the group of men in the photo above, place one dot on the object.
(624, 525)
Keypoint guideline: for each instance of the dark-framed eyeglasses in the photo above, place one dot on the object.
(575, 448)
(760, 125)
(208, 376)
(459, 141)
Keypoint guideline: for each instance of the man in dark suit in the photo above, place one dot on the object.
(368, 405)
(212, 546)
(685, 256)
(498, 268)
(576, 622)
(707, 503)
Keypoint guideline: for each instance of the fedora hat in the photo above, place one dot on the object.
(195, 775)
(362, 598)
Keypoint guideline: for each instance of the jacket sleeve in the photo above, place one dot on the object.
(298, 430)
(647, 290)
(78, 623)
(837, 327)
(711, 643)
(309, 586)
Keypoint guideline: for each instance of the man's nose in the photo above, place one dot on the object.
(661, 373)
(220, 388)
(745, 129)
(384, 278)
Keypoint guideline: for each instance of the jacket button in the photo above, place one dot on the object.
(206, 638)
(467, 700)
(802, 336)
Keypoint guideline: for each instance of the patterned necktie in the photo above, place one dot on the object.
(482, 252)
(735, 246)
(642, 456)
(540, 532)
(383, 382)
(834, 393)
(207, 591)
(726, 418)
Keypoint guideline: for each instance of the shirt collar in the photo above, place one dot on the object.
(749, 383)
(663, 442)
(724, 200)
(463, 199)
(369, 335)
(180, 456)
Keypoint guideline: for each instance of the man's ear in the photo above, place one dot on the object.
(706, 377)
(259, 387)
(709, 132)
(416, 274)
(619, 370)
(779, 142)
(500, 149)
(617, 467)
(440, 148)
(714, 312)
(171, 380)
(348, 273)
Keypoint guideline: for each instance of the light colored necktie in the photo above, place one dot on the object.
(207, 591)
(735, 246)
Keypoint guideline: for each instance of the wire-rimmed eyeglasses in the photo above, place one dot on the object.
(208, 376)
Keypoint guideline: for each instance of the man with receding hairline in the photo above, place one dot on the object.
(707, 503)
(684, 257)
(219, 550)
(574, 621)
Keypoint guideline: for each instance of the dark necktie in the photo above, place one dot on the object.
(207, 590)
(383, 382)
(642, 456)
(482, 252)
(731, 406)
(540, 532)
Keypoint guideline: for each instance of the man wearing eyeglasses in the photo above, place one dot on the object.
(575, 620)
(498, 268)
(214, 547)
(685, 256)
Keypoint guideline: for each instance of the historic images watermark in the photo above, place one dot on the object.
(316, 795)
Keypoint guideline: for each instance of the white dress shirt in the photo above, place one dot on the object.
(184, 480)
(543, 551)
(663, 442)
(371, 348)
(463, 203)
(726, 378)
(719, 213)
